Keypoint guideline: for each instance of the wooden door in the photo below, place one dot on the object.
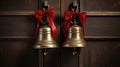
(17, 34)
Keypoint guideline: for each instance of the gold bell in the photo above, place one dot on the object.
(45, 39)
(75, 37)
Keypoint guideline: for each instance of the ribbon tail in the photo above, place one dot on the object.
(37, 29)
(82, 20)
(67, 25)
(83, 29)
(52, 25)
(82, 26)
(82, 16)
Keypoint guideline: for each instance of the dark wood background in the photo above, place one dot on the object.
(102, 33)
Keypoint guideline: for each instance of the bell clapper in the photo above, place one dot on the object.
(45, 52)
(74, 51)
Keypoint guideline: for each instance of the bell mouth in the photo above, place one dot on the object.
(42, 44)
(75, 45)
(79, 45)
(50, 46)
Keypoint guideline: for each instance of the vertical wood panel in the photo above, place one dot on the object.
(18, 5)
(103, 54)
(100, 5)
(102, 26)
(17, 26)
(68, 59)
(84, 57)
(16, 53)
(53, 58)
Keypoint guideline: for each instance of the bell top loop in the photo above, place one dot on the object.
(75, 6)
(74, 9)
(45, 5)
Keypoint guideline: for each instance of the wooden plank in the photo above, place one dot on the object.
(103, 10)
(103, 53)
(16, 37)
(98, 5)
(88, 38)
(102, 13)
(28, 13)
(102, 37)
(18, 5)
(102, 26)
(22, 25)
(16, 13)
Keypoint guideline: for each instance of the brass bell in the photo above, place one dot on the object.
(75, 37)
(45, 39)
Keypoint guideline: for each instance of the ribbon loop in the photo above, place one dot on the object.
(49, 15)
(68, 17)
(38, 14)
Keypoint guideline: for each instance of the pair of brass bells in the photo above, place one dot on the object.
(74, 38)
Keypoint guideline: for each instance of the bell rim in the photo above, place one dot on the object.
(42, 46)
(83, 45)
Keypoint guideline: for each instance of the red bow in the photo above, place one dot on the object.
(68, 17)
(50, 14)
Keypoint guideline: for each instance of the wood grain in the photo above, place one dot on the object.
(18, 5)
(99, 5)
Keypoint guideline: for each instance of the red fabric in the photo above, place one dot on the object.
(50, 14)
(68, 17)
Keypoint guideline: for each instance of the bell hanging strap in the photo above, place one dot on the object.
(68, 17)
(50, 14)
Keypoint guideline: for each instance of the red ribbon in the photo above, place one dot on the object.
(50, 14)
(68, 17)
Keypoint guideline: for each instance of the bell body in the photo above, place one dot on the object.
(75, 37)
(45, 39)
